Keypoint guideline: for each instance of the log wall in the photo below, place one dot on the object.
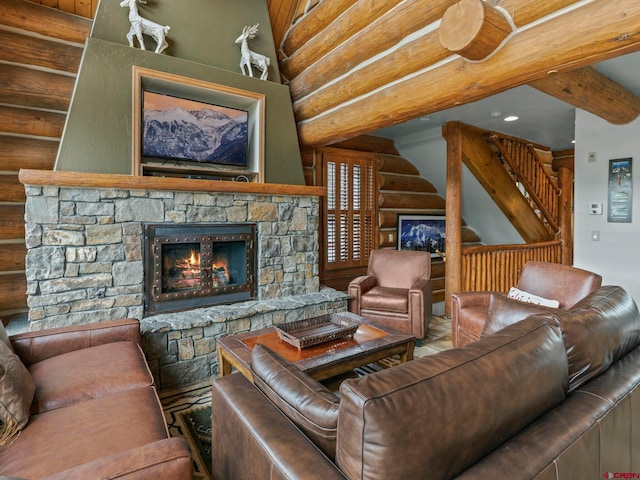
(41, 54)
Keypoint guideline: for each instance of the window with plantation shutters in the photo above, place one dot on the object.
(349, 211)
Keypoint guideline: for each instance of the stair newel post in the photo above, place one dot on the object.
(565, 212)
(452, 132)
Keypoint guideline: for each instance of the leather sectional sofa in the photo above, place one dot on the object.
(89, 407)
(544, 394)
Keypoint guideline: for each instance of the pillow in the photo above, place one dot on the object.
(307, 403)
(16, 394)
(527, 297)
(504, 311)
(598, 331)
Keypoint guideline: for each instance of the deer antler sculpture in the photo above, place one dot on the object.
(249, 57)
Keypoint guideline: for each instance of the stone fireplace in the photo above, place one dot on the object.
(85, 238)
(199, 265)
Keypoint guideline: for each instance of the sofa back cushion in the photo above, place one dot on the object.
(505, 311)
(307, 403)
(435, 416)
(598, 331)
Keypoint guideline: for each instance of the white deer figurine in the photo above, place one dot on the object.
(248, 57)
(141, 25)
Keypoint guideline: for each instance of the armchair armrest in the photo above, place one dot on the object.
(251, 438)
(420, 302)
(169, 458)
(39, 345)
(476, 305)
(357, 287)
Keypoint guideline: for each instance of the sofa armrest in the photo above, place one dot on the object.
(420, 306)
(357, 287)
(169, 458)
(39, 345)
(475, 302)
(251, 438)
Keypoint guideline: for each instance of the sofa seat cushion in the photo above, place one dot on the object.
(386, 299)
(598, 331)
(307, 403)
(63, 438)
(88, 373)
(483, 394)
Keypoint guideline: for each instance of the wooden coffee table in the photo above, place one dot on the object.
(370, 343)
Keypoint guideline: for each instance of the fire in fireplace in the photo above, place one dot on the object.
(198, 265)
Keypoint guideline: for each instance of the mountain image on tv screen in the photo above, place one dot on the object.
(181, 129)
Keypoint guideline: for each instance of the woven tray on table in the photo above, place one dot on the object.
(305, 333)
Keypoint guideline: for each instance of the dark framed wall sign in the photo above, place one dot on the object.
(620, 191)
(422, 232)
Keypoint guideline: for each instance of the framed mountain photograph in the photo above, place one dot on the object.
(425, 233)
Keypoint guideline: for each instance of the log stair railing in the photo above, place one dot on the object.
(523, 161)
(39, 60)
(498, 267)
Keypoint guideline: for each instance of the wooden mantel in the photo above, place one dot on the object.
(102, 180)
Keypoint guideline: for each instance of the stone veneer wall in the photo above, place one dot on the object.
(84, 264)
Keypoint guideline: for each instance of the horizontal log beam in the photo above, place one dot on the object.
(473, 29)
(590, 90)
(594, 32)
(395, 164)
(369, 143)
(405, 60)
(13, 291)
(39, 52)
(410, 201)
(315, 21)
(11, 221)
(12, 257)
(354, 19)
(31, 122)
(406, 183)
(23, 152)
(45, 21)
(34, 88)
(11, 190)
(378, 36)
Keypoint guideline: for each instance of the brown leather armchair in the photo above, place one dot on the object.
(396, 291)
(554, 281)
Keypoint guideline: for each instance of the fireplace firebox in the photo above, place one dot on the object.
(198, 265)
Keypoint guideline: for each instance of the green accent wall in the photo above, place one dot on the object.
(98, 134)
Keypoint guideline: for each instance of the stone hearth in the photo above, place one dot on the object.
(84, 263)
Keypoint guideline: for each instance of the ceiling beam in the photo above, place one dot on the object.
(354, 19)
(590, 33)
(321, 87)
(590, 90)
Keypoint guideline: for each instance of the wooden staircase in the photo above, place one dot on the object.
(39, 60)
(513, 173)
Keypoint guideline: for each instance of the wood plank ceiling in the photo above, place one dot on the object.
(354, 66)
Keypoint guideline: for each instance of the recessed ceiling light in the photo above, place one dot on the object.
(425, 119)
(573, 141)
(511, 118)
(496, 114)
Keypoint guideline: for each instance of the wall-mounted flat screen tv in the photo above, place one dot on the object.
(187, 130)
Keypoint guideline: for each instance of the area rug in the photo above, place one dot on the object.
(188, 415)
